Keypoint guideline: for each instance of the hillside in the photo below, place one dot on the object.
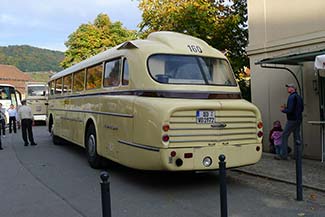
(28, 58)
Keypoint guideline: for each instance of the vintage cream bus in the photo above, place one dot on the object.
(36, 98)
(169, 102)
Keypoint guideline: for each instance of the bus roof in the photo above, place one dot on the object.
(36, 83)
(7, 85)
(170, 42)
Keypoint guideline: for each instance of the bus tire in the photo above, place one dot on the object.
(94, 159)
(55, 139)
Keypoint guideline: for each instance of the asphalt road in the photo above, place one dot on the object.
(54, 181)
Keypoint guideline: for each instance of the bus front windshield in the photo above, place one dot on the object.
(37, 90)
(198, 70)
(7, 96)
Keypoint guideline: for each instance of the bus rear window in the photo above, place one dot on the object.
(181, 69)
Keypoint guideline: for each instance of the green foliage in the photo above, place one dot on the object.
(93, 38)
(222, 24)
(27, 58)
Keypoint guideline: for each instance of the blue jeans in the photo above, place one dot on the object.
(291, 126)
(278, 149)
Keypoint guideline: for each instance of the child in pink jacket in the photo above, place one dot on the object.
(276, 136)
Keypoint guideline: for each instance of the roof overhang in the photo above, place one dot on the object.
(293, 59)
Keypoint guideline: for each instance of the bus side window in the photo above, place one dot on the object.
(112, 73)
(52, 88)
(94, 77)
(125, 78)
(67, 84)
(58, 86)
(78, 81)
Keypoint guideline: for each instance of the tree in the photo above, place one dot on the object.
(221, 24)
(93, 38)
(193, 17)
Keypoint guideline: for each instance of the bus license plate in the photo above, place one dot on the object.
(205, 117)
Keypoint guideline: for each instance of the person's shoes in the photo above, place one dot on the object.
(1, 148)
(26, 144)
(33, 143)
(277, 158)
(284, 158)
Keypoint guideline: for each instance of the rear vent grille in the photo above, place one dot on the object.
(232, 127)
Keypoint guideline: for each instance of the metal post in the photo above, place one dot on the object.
(299, 172)
(106, 198)
(223, 186)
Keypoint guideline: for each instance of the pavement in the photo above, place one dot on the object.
(313, 171)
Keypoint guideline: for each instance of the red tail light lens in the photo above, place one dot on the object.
(260, 125)
(188, 155)
(173, 153)
(165, 138)
(165, 127)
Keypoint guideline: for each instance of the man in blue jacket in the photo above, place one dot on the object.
(294, 110)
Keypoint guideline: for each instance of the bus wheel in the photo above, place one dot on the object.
(55, 139)
(94, 159)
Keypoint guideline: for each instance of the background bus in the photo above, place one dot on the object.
(8, 95)
(36, 98)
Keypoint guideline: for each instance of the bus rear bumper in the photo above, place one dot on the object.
(207, 158)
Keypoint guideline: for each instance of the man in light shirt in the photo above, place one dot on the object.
(12, 118)
(26, 118)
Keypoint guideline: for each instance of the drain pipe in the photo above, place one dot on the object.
(290, 71)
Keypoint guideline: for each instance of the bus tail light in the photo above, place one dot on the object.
(260, 134)
(188, 155)
(173, 153)
(260, 125)
(165, 127)
(165, 138)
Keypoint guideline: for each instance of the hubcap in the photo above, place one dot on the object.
(91, 145)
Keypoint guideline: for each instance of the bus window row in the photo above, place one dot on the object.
(114, 74)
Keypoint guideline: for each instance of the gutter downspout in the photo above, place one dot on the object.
(290, 71)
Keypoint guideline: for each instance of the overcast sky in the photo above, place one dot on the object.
(47, 24)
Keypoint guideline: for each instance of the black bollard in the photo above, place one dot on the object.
(299, 171)
(223, 186)
(106, 197)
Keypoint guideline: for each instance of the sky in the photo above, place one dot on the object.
(47, 24)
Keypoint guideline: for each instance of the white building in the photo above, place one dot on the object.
(284, 38)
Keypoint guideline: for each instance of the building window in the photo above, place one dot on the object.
(112, 73)
(94, 77)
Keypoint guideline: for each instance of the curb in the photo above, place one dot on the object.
(278, 179)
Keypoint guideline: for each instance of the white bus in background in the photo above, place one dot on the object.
(8, 96)
(36, 98)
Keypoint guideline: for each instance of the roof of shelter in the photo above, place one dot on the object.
(292, 59)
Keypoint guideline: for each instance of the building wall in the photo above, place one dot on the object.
(279, 28)
(277, 25)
